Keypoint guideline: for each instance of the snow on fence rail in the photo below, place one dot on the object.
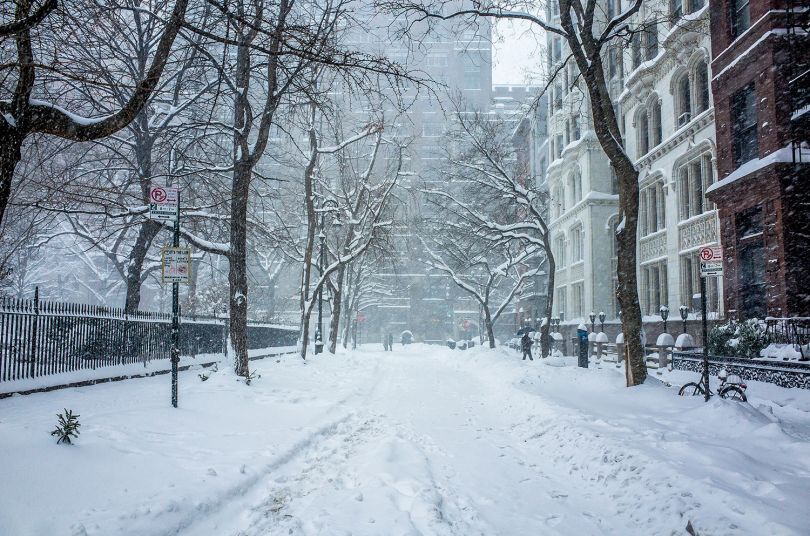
(40, 338)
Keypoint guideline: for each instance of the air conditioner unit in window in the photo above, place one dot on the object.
(684, 118)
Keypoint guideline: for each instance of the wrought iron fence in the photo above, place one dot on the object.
(39, 338)
(795, 331)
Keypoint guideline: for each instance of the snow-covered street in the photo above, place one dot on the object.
(422, 440)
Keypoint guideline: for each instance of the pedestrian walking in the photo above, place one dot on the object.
(390, 342)
(386, 344)
(526, 346)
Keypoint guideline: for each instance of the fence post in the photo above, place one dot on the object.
(34, 332)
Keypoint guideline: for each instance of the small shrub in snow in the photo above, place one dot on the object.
(67, 427)
(252, 376)
(203, 376)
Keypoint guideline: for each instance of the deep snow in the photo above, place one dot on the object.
(422, 440)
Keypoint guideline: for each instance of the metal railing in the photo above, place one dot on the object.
(40, 338)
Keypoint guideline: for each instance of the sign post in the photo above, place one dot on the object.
(711, 265)
(164, 205)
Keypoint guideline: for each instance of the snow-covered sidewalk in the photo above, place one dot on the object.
(422, 440)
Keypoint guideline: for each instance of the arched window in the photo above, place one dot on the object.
(656, 130)
(701, 87)
(575, 186)
(643, 133)
(683, 101)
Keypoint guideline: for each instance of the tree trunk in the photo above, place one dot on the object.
(337, 305)
(146, 234)
(488, 323)
(545, 329)
(10, 155)
(237, 261)
(589, 60)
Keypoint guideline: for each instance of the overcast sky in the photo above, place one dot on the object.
(517, 52)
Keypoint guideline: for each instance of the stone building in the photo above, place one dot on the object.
(661, 87)
(669, 128)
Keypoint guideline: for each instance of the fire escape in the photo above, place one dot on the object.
(798, 28)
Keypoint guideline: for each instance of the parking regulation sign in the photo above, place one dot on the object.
(163, 203)
(711, 261)
(176, 265)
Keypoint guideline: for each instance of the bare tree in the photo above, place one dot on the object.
(489, 272)
(589, 29)
(29, 107)
(493, 193)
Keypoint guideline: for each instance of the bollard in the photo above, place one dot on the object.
(601, 341)
(591, 344)
(619, 349)
(664, 343)
(582, 335)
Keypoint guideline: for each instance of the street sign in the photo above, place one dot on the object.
(711, 261)
(163, 203)
(175, 265)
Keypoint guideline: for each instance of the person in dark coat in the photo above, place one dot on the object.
(385, 343)
(526, 346)
(390, 342)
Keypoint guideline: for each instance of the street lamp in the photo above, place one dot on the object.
(592, 316)
(684, 315)
(322, 237)
(664, 310)
(602, 317)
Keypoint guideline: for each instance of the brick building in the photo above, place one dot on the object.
(760, 85)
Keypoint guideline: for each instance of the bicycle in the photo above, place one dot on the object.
(731, 387)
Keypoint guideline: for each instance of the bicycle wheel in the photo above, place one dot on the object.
(691, 389)
(733, 392)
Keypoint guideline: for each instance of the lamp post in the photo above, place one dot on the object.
(602, 317)
(319, 332)
(684, 315)
(664, 310)
(592, 316)
(321, 260)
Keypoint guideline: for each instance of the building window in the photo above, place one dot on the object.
(752, 278)
(578, 297)
(656, 129)
(432, 129)
(574, 133)
(615, 69)
(561, 300)
(653, 288)
(558, 95)
(576, 187)
(744, 125)
(702, 90)
(740, 17)
(690, 285)
(614, 181)
(635, 45)
(559, 252)
(675, 10)
(577, 245)
(651, 42)
(643, 133)
(683, 101)
(652, 209)
(694, 178)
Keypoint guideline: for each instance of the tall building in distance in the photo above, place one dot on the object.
(761, 86)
